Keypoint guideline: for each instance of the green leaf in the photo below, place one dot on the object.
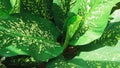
(96, 21)
(59, 10)
(109, 38)
(105, 53)
(31, 34)
(12, 51)
(37, 7)
(72, 25)
(103, 64)
(108, 56)
(103, 57)
(65, 10)
(5, 6)
(62, 63)
(74, 7)
(3, 15)
(15, 6)
(116, 16)
(13, 2)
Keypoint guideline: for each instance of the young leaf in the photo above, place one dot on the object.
(96, 21)
(29, 34)
(72, 25)
(72, 21)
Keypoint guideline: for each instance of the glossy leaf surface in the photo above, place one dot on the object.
(96, 22)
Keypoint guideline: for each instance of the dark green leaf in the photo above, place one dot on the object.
(59, 9)
(5, 6)
(37, 7)
(31, 34)
(3, 15)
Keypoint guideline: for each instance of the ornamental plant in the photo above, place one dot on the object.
(60, 33)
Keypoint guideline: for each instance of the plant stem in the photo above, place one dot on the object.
(66, 42)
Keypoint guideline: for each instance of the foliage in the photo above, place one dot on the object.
(44, 31)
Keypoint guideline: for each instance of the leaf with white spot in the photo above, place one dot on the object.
(96, 21)
(104, 52)
(60, 62)
(30, 35)
(37, 7)
(103, 57)
(5, 6)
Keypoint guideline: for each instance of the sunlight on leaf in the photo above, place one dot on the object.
(15, 6)
(116, 16)
(72, 25)
(96, 21)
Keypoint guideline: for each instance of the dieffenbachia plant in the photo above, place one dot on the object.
(32, 27)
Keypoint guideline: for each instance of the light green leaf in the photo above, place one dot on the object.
(106, 53)
(72, 25)
(13, 2)
(108, 56)
(105, 57)
(62, 63)
(74, 7)
(15, 6)
(96, 21)
(116, 16)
